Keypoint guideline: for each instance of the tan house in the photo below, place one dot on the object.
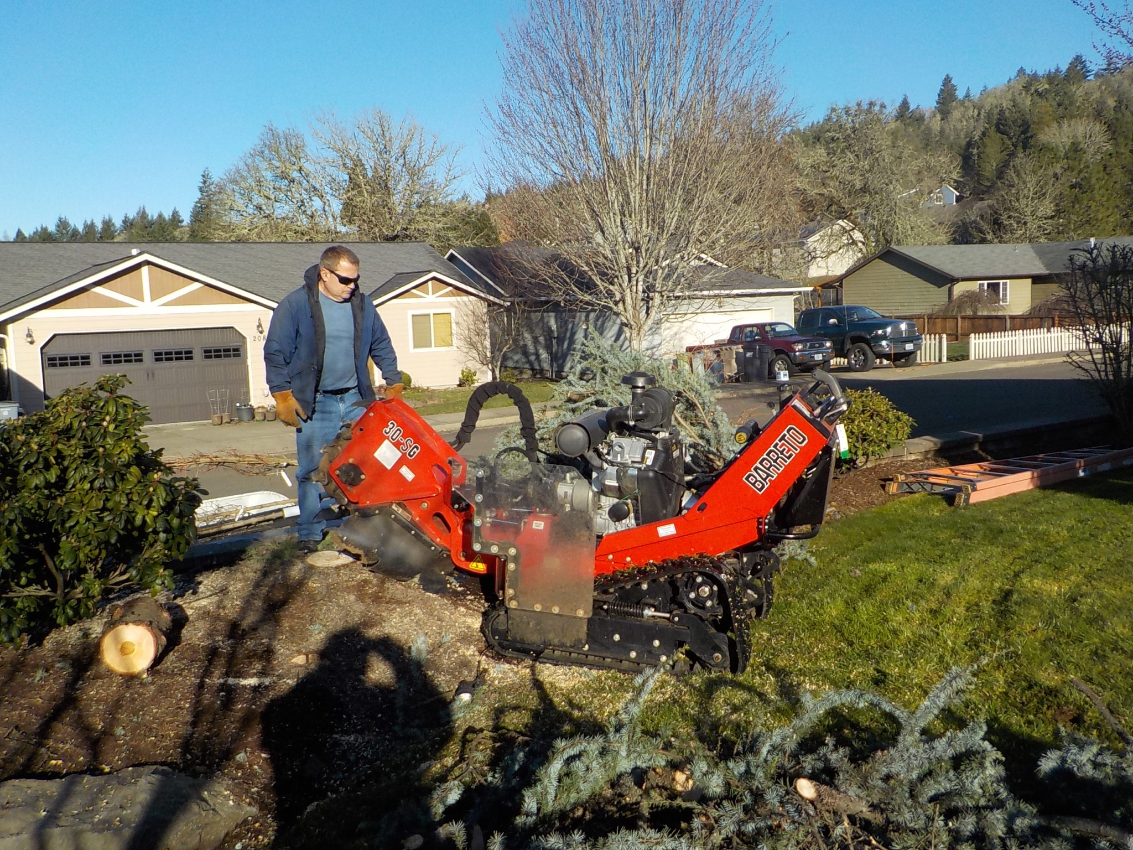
(186, 321)
(907, 280)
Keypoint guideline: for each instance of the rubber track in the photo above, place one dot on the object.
(714, 569)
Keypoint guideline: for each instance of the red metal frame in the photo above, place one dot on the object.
(405, 462)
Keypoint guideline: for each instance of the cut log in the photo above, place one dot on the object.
(135, 636)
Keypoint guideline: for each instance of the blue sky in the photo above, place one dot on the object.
(108, 106)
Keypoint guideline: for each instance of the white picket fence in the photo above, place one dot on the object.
(1032, 341)
(935, 348)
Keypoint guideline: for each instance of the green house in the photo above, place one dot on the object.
(908, 280)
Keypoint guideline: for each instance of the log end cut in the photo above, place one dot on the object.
(135, 637)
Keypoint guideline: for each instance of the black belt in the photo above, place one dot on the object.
(342, 391)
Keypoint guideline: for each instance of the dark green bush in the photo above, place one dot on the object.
(86, 508)
(467, 377)
(873, 425)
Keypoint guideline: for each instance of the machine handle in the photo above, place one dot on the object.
(831, 408)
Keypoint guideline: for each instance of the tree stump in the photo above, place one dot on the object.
(135, 636)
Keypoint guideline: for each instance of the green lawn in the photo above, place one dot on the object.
(1036, 588)
(429, 402)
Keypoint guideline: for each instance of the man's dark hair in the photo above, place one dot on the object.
(334, 255)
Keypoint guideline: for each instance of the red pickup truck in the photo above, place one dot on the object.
(790, 350)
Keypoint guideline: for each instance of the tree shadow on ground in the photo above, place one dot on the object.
(347, 744)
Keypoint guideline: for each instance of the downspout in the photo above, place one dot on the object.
(7, 346)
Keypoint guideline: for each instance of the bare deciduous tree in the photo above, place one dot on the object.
(636, 136)
(1099, 292)
(854, 165)
(278, 191)
(368, 178)
(1024, 208)
(1117, 28)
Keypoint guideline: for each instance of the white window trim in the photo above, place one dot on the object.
(1004, 289)
(452, 321)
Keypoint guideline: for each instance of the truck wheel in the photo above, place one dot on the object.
(908, 359)
(779, 363)
(860, 357)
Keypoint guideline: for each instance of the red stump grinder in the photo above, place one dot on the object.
(615, 551)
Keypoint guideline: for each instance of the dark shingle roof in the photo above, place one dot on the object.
(967, 262)
(268, 269)
(514, 268)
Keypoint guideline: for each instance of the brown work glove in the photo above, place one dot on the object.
(395, 390)
(287, 409)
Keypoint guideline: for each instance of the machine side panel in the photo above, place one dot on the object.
(728, 514)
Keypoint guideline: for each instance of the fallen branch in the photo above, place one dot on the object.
(1100, 705)
(242, 462)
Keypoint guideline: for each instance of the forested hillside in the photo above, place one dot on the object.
(1044, 157)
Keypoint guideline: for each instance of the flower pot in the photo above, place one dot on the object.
(216, 419)
(270, 415)
(261, 412)
(225, 418)
(245, 413)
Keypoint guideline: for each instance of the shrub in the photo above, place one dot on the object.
(86, 508)
(595, 381)
(467, 377)
(405, 379)
(873, 425)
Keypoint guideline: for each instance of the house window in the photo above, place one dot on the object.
(172, 355)
(431, 330)
(222, 352)
(119, 358)
(67, 361)
(997, 288)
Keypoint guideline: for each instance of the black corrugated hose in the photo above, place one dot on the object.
(526, 417)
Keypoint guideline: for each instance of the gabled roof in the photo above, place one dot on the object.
(405, 281)
(269, 270)
(982, 262)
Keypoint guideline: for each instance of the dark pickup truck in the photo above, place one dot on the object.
(862, 335)
(790, 350)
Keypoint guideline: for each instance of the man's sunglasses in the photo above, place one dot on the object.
(345, 281)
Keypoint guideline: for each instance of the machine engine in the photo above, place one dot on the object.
(634, 455)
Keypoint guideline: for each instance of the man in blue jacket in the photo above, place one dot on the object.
(318, 348)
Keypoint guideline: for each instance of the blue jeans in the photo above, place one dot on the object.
(330, 414)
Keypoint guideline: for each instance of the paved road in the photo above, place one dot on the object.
(950, 398)
(944, 400)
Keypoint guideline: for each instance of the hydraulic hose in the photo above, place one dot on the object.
(526, 417)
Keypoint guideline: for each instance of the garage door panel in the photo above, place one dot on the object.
(174, 380)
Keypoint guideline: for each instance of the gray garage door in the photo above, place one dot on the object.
(173, 372)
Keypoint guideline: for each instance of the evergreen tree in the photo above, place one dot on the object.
(20, 236)
(42, 234)
(107, 230)
(903, 109)
(205, 218)
(946, 98)
(89, 231)
(65, 231)
(1078, 71)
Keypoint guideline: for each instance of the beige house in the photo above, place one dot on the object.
(907, 280)
(186, 321)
